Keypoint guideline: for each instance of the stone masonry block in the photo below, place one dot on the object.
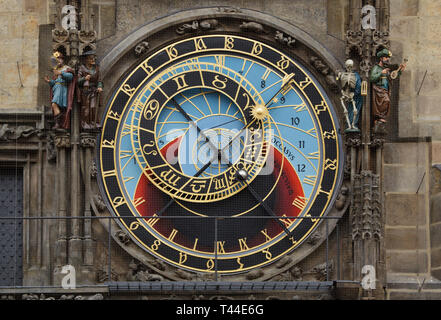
(435, 235)
(429, 8)
(403, 179)
(410, 153)
(405, 209)
(404, 7)
(435, 254)
(407, 261)
(405, 238)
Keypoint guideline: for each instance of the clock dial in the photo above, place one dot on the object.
(219, 126)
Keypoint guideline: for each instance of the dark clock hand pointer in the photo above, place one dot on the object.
(185, 114)
(265, 206)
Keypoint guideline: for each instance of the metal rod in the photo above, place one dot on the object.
(327, 252)
(109, 268)
(167, 217)
(338, 251)
(215, 248)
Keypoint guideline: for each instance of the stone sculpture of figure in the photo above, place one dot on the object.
(90, 87)
(351, 99)
(62, 91)
(380, 78)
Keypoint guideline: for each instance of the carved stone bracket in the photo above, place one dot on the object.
(284, 39)
(87, 40)
(122, 236)
(62, 140)
(99, 202)
(140, 272)
(326, 71)
(377, 142)
(229, 10)
(353, 139)
(51, 151)
(14, 133)
(252, 27)
(87, 140)
(141, 48)
(93, 169)
(197, 26)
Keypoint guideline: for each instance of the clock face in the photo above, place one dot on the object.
(228, 146)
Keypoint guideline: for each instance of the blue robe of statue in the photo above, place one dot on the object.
(60, 88)
(358, 101)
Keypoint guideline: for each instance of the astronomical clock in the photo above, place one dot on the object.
(220, 152)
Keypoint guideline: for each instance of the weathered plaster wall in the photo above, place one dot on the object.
(19, 21)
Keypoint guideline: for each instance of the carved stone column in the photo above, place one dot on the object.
(62, 143)
(368, 32)
(87, 144)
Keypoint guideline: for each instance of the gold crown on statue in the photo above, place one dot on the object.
(58, 54)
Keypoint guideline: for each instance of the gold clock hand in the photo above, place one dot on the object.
(286, 80)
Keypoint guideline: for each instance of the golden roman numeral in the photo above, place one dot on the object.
(266, 74)
(286, 222)
(125, 154)
(127, 179)
(243, 244)
(313, 155)
(312, 132)
(138, 201)
(300, 107)
(172, 234)
(220, 246)
(180, 82)
(300, 202)
(195, 243)
(310, 180)
(265, 233)
(152, 221)
(109, 173)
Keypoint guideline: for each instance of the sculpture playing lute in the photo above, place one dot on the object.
(394, 74)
